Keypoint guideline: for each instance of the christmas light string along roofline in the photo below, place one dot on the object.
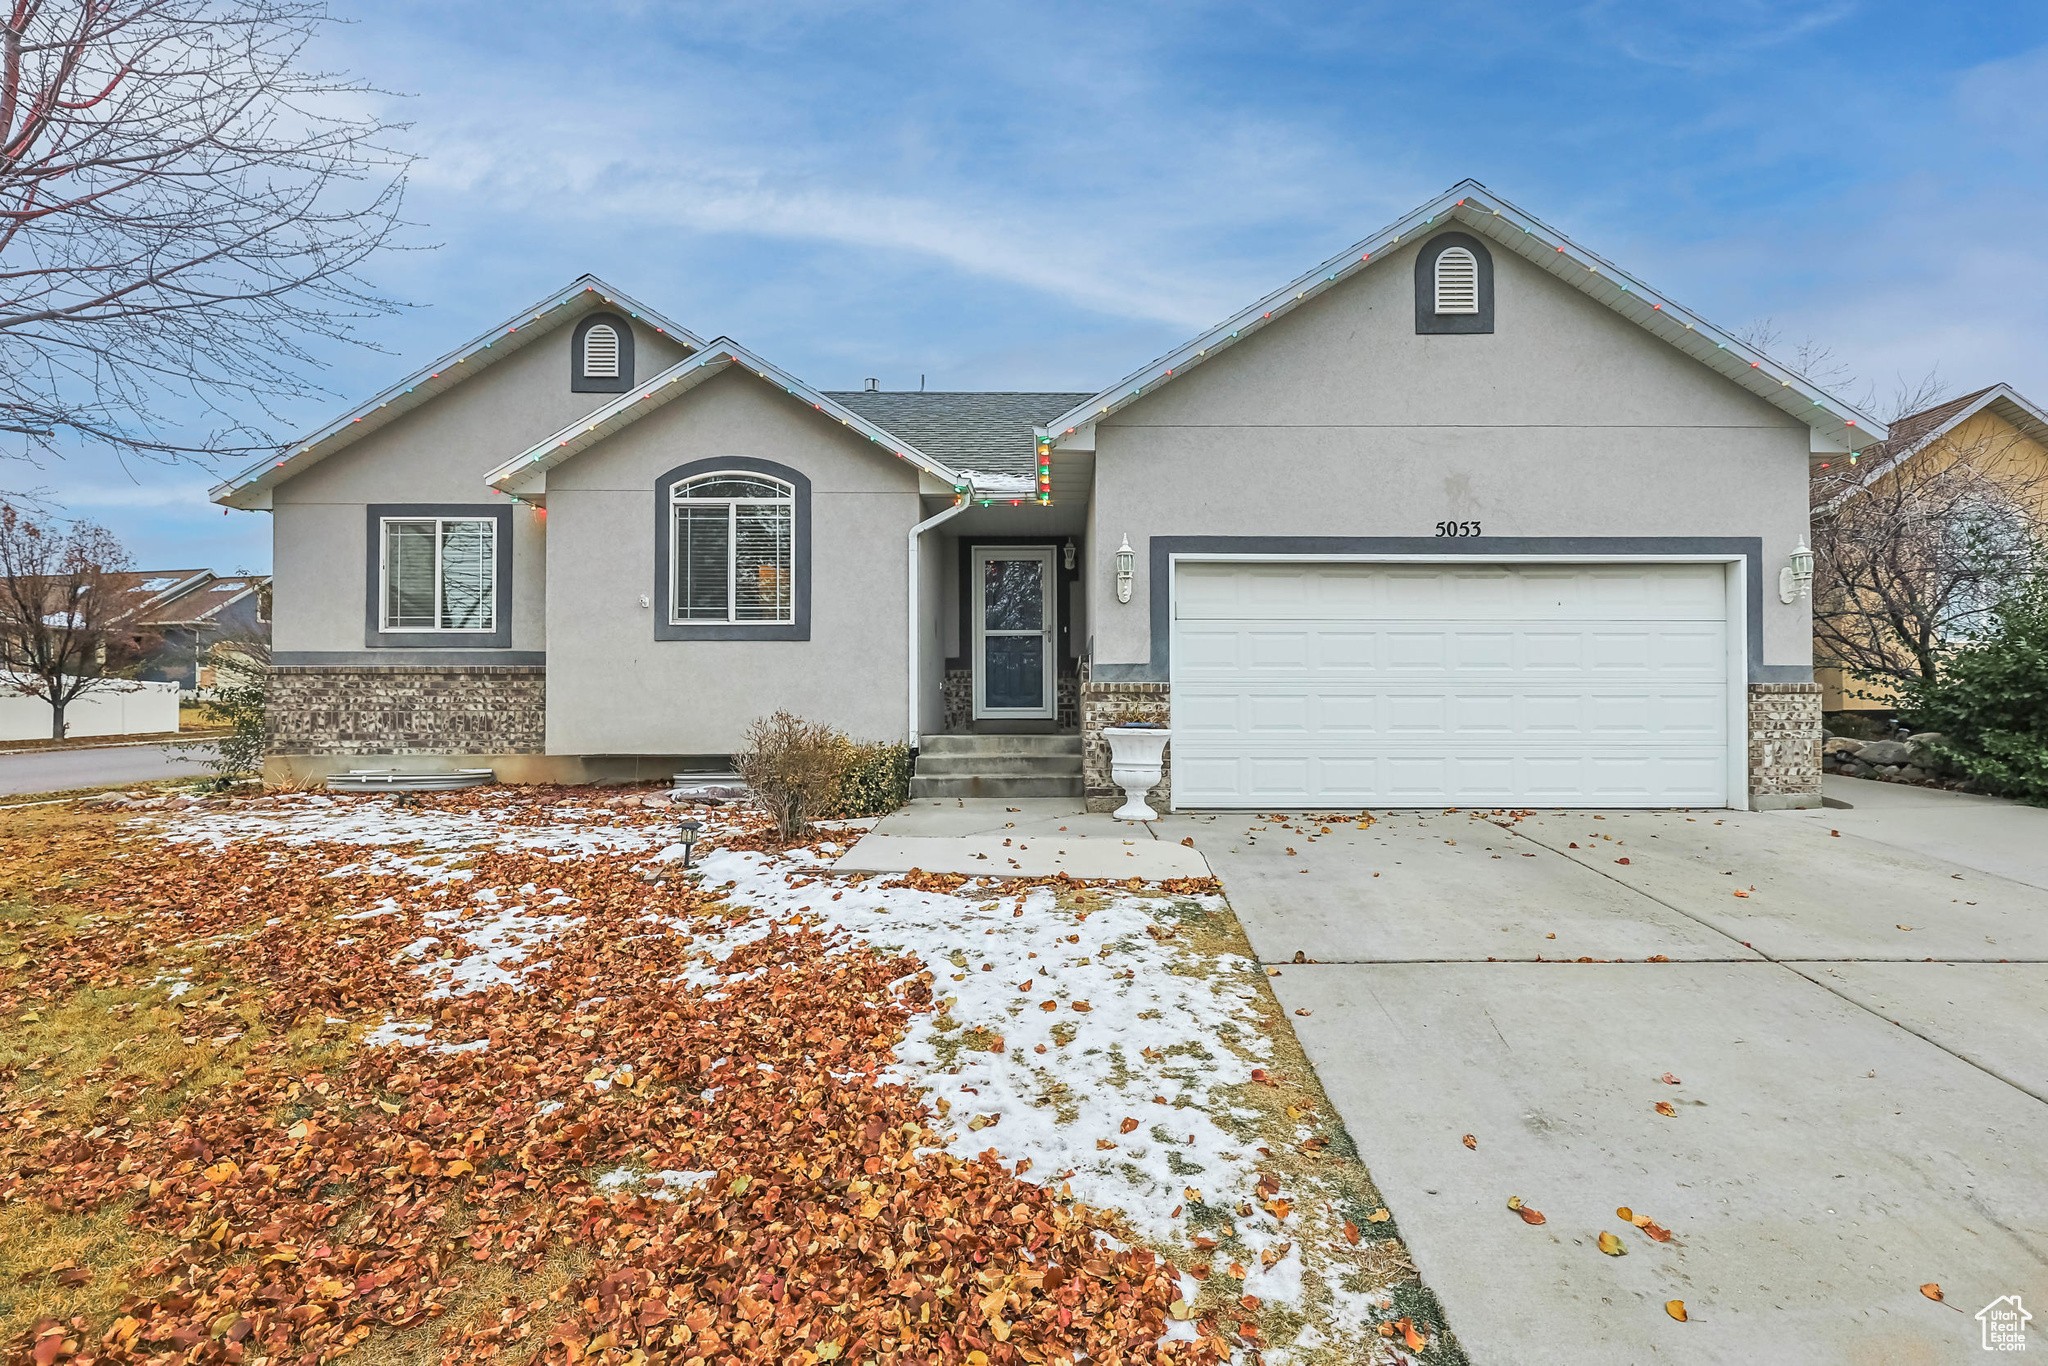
(1299, 290)
(539, 315)
(709, 356)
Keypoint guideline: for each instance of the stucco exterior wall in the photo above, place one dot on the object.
(438, 453)
(1566, 421)
(614, 689)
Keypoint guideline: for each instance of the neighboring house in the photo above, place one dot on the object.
(181, 614)
(1464, 516)
(1997, 429)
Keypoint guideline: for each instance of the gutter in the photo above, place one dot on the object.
(960, 504)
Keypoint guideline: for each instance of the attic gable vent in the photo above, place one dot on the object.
(601, 349)
(1457, 281)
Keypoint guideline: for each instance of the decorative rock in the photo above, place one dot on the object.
(1884, 753)
(1912, 774)
(1925, 741)
(1840, 744)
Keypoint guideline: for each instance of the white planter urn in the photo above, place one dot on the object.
(1136, 756)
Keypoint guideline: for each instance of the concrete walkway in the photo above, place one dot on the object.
(1021, 837)
(1857, 1023)
(1985, 833)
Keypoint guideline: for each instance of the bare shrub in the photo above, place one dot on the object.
(793, 769)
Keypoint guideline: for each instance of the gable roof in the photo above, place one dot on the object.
(525, 473)
(145, 590)
(204, 603)
(993, 436)
(1916, 431)
(585, 294)
(1471, 205)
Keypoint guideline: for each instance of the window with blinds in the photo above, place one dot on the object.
(733, 552)
(1457, 281)
(601, 352)
(440, 574)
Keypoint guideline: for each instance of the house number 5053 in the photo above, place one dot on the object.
(1457, 528)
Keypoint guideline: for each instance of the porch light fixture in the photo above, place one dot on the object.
(1067, 556)
(1795, 580)
(1126, 566)
(687, 832)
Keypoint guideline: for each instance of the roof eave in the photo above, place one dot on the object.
(247, 489)
(1472, 205)
(711, 358)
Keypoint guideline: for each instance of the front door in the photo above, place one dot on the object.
(1013, 632)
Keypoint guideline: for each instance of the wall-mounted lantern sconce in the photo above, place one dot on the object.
(1067, 556)
(1126, 566)
(1795, 580)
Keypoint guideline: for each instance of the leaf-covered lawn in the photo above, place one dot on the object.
(487, 1075)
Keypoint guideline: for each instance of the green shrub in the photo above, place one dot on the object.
(240, 693)
(1857, 725)
(875, 779)
(1987, 702)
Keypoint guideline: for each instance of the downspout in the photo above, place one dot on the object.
(961, 503)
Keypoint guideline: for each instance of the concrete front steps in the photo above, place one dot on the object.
(998, 766)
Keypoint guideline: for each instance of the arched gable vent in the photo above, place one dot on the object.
(1457, 281)
(601, 347)
(601, 355)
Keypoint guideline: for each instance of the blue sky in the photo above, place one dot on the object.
(1043, 195)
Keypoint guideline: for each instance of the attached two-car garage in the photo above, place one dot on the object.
(1345, 684)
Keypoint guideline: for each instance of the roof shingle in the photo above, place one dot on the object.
(982, 433)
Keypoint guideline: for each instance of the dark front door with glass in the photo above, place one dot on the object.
(1013, 632)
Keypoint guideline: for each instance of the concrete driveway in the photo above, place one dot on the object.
(1856, 1014)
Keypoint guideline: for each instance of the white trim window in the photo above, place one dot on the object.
(1457, 281)
(732, 550)
(440, 574)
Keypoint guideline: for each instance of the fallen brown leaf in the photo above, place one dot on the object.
(1676, 1309)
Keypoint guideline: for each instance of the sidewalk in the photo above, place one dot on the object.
(1023, 837)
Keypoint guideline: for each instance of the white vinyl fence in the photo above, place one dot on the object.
(121, 708)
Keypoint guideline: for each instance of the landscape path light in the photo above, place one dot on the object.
(688, 832)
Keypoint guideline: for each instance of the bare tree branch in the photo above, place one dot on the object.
(1818, 362)
(1907, 558)
(183, 212)
(65, 618)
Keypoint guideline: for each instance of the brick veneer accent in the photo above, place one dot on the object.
(1784, 745)
(1114, 704)
(389, 709)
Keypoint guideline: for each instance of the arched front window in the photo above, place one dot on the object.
(732, 558)
(1457, 281)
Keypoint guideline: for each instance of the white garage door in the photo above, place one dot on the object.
(1349, 685)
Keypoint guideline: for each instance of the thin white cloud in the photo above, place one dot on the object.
(189, 495)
